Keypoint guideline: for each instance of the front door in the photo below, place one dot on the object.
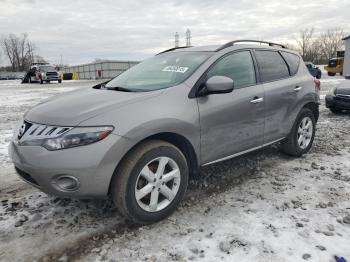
(232, 122)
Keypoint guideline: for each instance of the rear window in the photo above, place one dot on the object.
(272, 66)
(332, 62)
(293, 62)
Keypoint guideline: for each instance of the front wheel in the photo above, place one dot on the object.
(150, 182)
(302, 134)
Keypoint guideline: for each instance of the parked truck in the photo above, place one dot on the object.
(42, 72)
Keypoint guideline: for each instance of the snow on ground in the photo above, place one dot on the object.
(264, 206)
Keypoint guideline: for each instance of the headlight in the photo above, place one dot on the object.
(78, 136)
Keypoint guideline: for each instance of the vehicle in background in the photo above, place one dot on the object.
(42, 72)
(335, 65)
(338, 99)
(138, 137)
(314, 70)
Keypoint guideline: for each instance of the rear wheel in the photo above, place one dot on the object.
(150, 182)
(302, 134)
(331, 74)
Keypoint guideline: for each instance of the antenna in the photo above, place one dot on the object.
(188, 37)
(176, 39)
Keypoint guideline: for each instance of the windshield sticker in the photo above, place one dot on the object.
(177, 69)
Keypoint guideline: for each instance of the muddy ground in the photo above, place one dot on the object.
(263, 206)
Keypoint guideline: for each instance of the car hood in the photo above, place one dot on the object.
(343, 88)
(72, 108)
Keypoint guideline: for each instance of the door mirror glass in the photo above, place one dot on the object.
(219, 85)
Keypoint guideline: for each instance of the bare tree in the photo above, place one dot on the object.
(19, 51)
(305, 42)
(39, 59)
(331, 42)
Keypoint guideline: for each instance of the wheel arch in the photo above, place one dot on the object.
(314, 107)
(175, 139)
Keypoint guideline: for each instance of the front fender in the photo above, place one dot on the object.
(187, 130)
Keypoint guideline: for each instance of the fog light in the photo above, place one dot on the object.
(66, 183)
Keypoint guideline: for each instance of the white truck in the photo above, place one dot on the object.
(42, 73)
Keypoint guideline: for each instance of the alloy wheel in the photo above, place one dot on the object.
(305, 132)
(157, 184)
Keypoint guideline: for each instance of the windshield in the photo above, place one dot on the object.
(46, 68)
(161, 71)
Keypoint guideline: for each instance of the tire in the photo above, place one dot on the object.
(335, 110)
(290, 145)
(331, 74)
(127, 179)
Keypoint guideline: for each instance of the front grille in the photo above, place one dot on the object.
(38, 131)
(26, 177)
(51, 74)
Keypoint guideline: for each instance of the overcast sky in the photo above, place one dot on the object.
(82, 30)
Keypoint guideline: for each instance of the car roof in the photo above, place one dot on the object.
(217, 48)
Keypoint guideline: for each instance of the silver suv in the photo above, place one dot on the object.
(139, 137)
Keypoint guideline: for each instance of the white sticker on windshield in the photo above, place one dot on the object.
(177, 69)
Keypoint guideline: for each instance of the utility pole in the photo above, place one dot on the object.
(188, 37)
(176, 39)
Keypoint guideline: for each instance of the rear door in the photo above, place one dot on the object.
(281, 90)
(232, 122)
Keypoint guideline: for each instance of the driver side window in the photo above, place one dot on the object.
(238, 66)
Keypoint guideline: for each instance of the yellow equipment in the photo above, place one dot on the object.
(335, 65)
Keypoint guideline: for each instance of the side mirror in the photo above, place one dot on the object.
(217, 85)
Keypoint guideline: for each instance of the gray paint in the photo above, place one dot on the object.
(218, 126)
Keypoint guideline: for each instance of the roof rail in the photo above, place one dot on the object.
(172, 49)
(250, 41)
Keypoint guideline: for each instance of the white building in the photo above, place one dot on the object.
(346, 67)
(100, 70)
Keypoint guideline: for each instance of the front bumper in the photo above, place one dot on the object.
(336, 102)
(51, 78)
(91, 165)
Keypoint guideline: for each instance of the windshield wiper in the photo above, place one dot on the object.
(119, 88)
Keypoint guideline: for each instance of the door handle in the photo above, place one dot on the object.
(256, 100)
(298, 88)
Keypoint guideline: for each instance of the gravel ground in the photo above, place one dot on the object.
(264, 206)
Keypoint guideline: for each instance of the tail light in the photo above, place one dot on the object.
(317, 84)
